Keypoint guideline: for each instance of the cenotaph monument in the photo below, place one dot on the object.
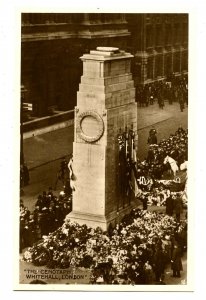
(106, 110)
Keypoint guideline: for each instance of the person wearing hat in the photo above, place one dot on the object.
(21, 177)
(152, 139)
(45, 200)
(159, 262)
(176, 262)
(150, 154)
(26, 174)
(178, 207)
(62, 172)
(39, 202)
(181, 100)
(169, 206)
(63, 166)
(144, 202)
(43, 221)
(50, 192)
(67, 188)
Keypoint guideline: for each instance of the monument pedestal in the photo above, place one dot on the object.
(102, 221)
(105, 105)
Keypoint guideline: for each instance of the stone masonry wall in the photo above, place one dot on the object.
(106, 89)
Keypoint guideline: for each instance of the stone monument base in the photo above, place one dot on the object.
(101, 221)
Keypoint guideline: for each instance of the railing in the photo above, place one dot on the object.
(48, 120)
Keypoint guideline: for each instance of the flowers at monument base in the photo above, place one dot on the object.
(124, 256)
(158, 196)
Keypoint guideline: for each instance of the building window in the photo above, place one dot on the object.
(158, 66)
(176, 33)
(150, 68)
(149, 36)
(185, 62)
(168, 65)
(177, 63)
(137, 71)
(94, 18)
(25, 19)
(148, 18)
(158, 35)
(102, 18)
(49, 18)
(168, 34)
(185, 33)
(33, 19)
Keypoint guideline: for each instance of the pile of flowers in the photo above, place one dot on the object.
(158, 196)
(120, 255)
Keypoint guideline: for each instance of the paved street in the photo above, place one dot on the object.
(165, 121)
(51, 146)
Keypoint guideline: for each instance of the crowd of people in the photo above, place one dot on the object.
(136, 251)
(174, 89)
(50, 210)
(154, 189)
(48, 215)
(176, 147)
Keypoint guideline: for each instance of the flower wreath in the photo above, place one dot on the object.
(86, 138)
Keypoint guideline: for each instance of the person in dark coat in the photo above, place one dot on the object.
(181, 100)
(21, 176)
(160, 100)
(150, 155)
(32, 231)
(169, 206)
(67, 188)
(144, 202)
(176, 262)
(50, 192)
(178, 207)
(51, 219)
(26, 174)
(152, 139)
(159, 263)
(43, 222)
(21, 235)
(39, 202)
(45, 200)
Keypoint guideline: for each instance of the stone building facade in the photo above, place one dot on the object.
(159, 43)
(51, 44)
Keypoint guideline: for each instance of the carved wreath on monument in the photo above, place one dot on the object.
(90, 126)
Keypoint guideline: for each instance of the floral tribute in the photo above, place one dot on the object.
(122, 255)
(158, 197)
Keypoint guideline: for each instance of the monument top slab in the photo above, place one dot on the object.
(106, 53)
(108, 49)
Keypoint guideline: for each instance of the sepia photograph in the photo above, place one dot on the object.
(103, 162)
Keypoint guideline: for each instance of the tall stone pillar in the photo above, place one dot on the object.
(105, 105)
